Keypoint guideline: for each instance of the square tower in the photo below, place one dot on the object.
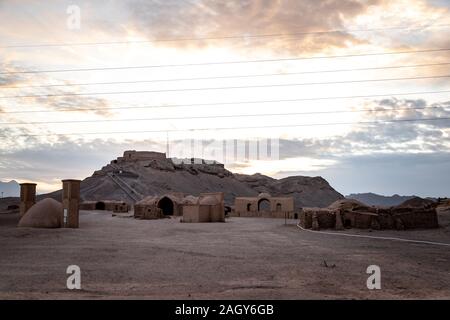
(27, 197)
(70, 202)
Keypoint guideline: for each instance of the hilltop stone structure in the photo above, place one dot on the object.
(264, 205)
(133, 155)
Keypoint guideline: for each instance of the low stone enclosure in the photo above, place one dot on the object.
(353, 214)
(108, 205)
(264, 205)
(208, 207)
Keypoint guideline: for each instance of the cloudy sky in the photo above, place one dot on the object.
(355, 91)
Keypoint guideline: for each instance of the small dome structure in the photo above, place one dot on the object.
(347, 204)
(190, 200)
(46, 213)
(209, 200)
(149, 200)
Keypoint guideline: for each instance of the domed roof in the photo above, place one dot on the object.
(46, 213)
(174, 197)
(149, 200)
(347, 204)
(264, 195)
(209, 200)
(190, 200)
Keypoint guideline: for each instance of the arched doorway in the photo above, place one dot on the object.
(263, 205)
(100, 205)
(166, 205)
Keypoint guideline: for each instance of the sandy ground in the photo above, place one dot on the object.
(244, 258)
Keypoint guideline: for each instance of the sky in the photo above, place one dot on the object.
(357, 92)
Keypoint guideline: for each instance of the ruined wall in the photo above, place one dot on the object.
(88, 205)
(280, 207)
(324, 217)
(107, 205)
(378, 219)
(147, 212)
(132, 155)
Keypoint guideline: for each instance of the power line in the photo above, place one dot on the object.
(223, 88)
(227, 103)
(245, 36)
(227, 77)
(226, 62)
(236, 128)
(221, 116)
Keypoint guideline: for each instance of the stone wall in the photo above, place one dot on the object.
(375, 218)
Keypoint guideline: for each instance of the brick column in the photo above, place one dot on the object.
(70, 201)
(27, 197)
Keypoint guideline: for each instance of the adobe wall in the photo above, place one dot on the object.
(394, 218)
(110, 205)
(88, 205)
(325, 218)
(217, 212)
(210, 208)
(132, 155)
(196, 213)
(147, 212)
(280, 207)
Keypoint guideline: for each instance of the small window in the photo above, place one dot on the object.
(278, 206)
(249, 206)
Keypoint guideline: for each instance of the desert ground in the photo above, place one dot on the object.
(244, 258)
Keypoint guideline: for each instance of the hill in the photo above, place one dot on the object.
(138, 174)
(373, 199)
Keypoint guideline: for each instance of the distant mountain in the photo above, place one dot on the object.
(9, 189)
(373, 199)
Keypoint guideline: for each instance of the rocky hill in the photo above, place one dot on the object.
(138, 174)
(373, 199)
